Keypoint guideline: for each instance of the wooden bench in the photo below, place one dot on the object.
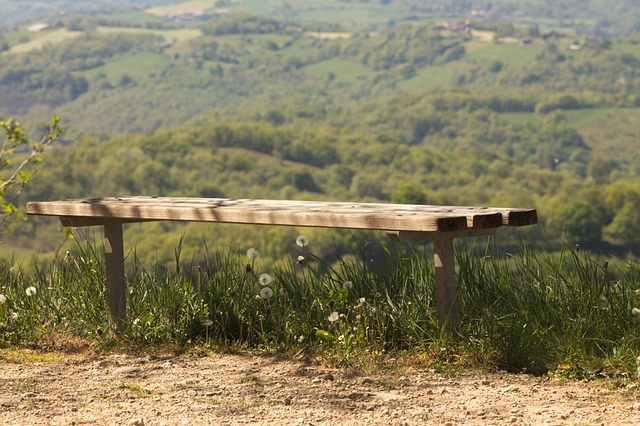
(402, 222)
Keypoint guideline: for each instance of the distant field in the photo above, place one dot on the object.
(505, 52)
(433, 78)
(184, 7)
(342, 69)
(135, 66)
(169, 35)
(60, 35)
(43, 38)
(611, 132)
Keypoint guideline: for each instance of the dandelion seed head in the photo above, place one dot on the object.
(252, 254)
(348, 285)
(635, 312)
(14, 315)
(208, 323)
(31, 291)
(362, 300)
(3, 299)
(302, 241)
(300, 259)
(333, 316)
(266, 293)
(265, 279)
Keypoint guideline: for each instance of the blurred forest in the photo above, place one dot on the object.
(446, 104)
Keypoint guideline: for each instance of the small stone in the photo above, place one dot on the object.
(486, 382)
(127, 371)
(367, 381)
(287, 400)
(328, 376)
(7, 402)
(137, 422)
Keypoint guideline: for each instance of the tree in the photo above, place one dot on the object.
(19, 175)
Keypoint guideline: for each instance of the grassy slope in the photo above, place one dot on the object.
(184, 7)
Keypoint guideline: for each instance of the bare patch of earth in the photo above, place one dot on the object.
(169, 389)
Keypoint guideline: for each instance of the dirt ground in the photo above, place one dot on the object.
(183, 389)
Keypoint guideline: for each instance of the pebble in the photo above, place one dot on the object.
(9, 401)
(127, 371)
(137, 422)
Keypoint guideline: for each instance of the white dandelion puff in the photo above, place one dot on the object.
(348, 285)
(252, 254)
(302, 241)
(300, 259)
(362, 300)
(333, 316)
(31, 291)
(265, 279)
(635, 312)
(266, 293)
(3, 299)
(208, 323)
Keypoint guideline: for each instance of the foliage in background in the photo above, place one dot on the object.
(16, 175)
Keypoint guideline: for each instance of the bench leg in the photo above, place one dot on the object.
(116, 285)
(445, 269)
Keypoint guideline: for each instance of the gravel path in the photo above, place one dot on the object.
(216, 389)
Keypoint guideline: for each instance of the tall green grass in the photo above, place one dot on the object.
(534, 311)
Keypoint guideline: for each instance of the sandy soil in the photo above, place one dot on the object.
(183, 389)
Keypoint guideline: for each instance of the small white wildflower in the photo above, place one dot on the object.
(208, 323)
(252, 254)
(362, 300)
(258, 297)
(3, 299)
(358, 317)
(300, 259)
(301, 338)
(264, 279)
(136, 321)
(333, 316)
(14, 315)
(635, 312)
(266, 293)
(31, 291)
(302, 241)
(348, 285)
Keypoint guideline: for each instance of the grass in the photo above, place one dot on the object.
(44, 38)
(184, 7)
(565, 314)
(343, 70)
(139, 65)
(179, 36)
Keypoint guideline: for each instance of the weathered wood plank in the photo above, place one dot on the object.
(283, 212)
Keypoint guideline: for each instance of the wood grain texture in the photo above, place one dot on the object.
(380, 216)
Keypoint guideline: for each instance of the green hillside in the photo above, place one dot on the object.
(378, 101)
